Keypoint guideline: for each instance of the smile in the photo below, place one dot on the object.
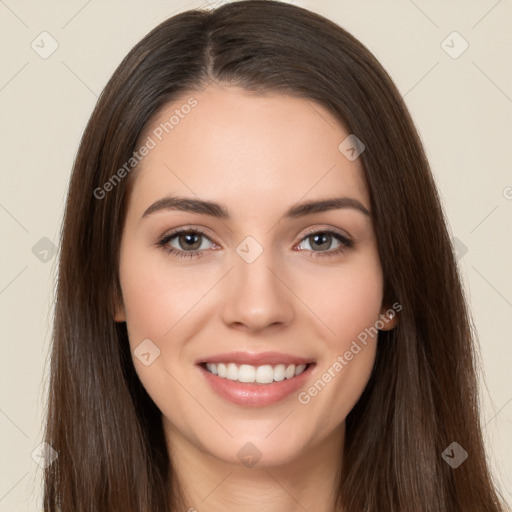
(265, 374)
(279, 382)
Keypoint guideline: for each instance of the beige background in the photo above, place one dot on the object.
(462, 107)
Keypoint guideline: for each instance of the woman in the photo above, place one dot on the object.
(313, 350)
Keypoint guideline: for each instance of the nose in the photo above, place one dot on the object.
(257, 295)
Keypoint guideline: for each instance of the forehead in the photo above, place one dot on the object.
(246, 149)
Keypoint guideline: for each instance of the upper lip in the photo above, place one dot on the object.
(263, 358)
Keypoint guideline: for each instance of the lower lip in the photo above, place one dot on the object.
(252, 394)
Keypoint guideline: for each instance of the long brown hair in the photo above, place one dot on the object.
(422, 395)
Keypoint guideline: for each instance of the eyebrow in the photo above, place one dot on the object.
(189, 204)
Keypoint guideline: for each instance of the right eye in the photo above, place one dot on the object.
(188, 238)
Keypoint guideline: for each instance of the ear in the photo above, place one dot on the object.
(119, 313)
(389, 317)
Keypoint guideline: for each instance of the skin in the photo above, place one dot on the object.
(258, 155)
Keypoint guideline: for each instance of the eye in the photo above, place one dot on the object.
(188, 241)
(322, 239)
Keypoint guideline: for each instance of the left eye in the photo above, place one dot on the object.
(321, 239)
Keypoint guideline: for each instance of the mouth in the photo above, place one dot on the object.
(252, 374)
(252, 379)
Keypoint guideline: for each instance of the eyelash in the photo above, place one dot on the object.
(177, 253)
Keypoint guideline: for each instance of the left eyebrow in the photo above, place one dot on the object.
(335, 203)
(217, 210)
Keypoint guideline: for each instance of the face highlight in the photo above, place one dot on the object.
(222, 251)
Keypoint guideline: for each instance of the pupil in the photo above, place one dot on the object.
(320, 236)
(189, 238)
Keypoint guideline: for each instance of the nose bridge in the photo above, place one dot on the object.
(257, 297)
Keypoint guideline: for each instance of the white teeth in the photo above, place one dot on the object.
(265, 374)
(279, 372)
(299, 369)
(221, 370)
(232, 372)
(261, 374)
(246, 373)
(212, 368)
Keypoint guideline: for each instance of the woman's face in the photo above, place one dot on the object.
(266, 278)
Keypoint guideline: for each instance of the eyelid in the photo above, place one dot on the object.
(185, 229)
(323, 229)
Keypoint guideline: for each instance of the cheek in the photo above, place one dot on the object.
(350, 300)
(156, 295)
(350, 309)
